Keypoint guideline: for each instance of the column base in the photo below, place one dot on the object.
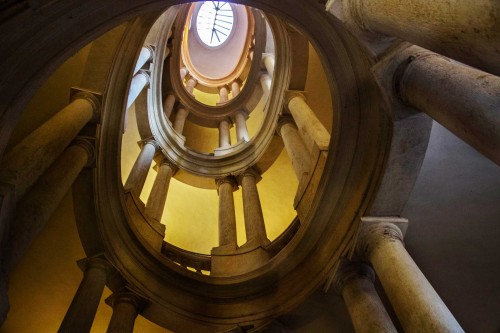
(228, 260)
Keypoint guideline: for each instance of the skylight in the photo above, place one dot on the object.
(214, 22)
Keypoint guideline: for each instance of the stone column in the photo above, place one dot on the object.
(312, 130)
(235, 88)
(168, 105)
(241, 126)
(354, 282)
(224, 137)
(268, 60)
(36, 207)
(223, 95)
(190, 84)
(417, 305)
(464, 100)
(183, 73)
(227, 216)
(464, 30)
(147, 53)
(137, 177)
(265, 81)
(158, 195)
(255, 227)
(180, 119)
(139, 82)
(81, 312)
(295, 147)
(29, 159)
(126, 306)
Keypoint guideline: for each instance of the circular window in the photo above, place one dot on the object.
(214, 22)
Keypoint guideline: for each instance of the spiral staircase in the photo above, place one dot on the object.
(216, 188)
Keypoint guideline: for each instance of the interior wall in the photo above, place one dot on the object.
(454, 231)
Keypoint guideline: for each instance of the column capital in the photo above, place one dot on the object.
(147, 74)
(94, 98)
(244, 113)
(126, 295)
(283, 120)
(348, 271)
(374, 230)
(151, 141)
(291, 94)
(88, 144)
(226, 180)
(99, 262)
(250, 172)
(166, 161)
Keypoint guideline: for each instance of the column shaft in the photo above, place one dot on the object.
(223, 95)
(145, 56)
(241, 127)
(464, 30)
(269, 63)
(417, 305)
(255, 227)
(312, 130)
(462, 99)
(30, 158)
(158, 195)
(190, 84)
(368, 314)
(137, 177)
(227, 216)
(37, 206)
(180, 120)
(168, 105)
(183, 73)
(81, 312)
(125, 310)
(296, 149)
(235, 88)
(265, 81)
(224, 137)
(139, 81)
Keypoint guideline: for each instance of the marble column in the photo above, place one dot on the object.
(265, 82)
(126, 306)
(183, 72)
(255, 227)
(235, 88)
(224, 137)
(223, 95)
(29, 159)
(168, 105)
(37, 206)
(463, 99)
(354, 282)
(227, 217)
(146, 54)
(463, 30)
(241, 126)
(190, 84)
(158, 196)
(139, 82)
(268, 60)
(81, 312)
(137, 177)
(312, 130)
(295, 147)
(180, 119)
(417, 305)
